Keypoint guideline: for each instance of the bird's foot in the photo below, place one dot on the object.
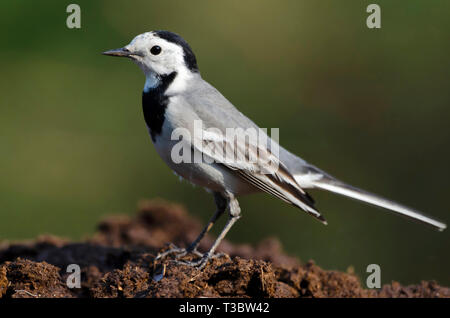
(201, 263)
(178, 251)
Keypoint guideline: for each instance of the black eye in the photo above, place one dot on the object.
(155, 50)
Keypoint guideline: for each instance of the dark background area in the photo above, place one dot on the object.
(369, 106)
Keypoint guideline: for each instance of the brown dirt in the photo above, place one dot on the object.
(119, 261)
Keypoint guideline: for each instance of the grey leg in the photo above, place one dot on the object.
(221, 204)
(235, 214)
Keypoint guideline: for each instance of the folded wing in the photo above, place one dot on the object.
(257, 165)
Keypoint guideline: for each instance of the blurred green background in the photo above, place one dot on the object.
(371, 107)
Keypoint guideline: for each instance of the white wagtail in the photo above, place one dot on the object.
(175, 95)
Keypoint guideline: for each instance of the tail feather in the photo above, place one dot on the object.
(332, 185)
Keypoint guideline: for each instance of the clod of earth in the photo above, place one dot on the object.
(119, 261)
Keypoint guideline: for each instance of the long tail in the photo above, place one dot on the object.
(328, 183)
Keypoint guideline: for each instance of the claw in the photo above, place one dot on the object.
(179, 251)
(201, 263)
(198, 264)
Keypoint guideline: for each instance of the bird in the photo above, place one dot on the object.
(176, 97)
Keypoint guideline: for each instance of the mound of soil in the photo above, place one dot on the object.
(119, 261)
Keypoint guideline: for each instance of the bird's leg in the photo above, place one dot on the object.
(235, 214)
(221, 204)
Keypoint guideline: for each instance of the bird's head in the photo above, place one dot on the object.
(160, 53)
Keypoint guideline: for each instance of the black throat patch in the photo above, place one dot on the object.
(154, 104)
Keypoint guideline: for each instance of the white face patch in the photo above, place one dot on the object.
(169, 60)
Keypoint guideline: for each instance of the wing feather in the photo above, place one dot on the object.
(266, 173)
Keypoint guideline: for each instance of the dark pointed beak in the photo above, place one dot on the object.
(122, 52)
